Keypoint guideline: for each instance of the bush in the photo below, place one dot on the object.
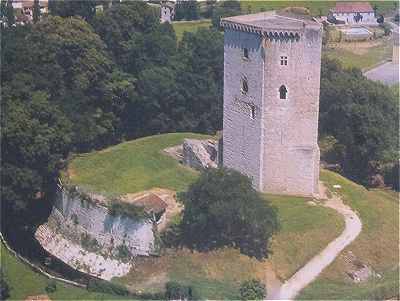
(252, 290)
(387, 29)
(176, 291)
(51, 286)
(123, 253)
(4, 288)
(102, 286)
(223, 209)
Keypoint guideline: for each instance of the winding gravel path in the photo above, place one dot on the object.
(314, 267)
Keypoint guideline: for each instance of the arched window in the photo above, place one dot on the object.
(282, 92)
(245, 86)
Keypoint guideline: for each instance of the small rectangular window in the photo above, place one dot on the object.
(284, 60)
(246, 53)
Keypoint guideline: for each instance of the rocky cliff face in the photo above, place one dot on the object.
(84, 233)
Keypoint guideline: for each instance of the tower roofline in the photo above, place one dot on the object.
(264, 22)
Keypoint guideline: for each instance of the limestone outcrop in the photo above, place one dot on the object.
(200, 154)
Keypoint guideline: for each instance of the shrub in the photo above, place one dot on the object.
(102, 286)
(51, 287)
(386, 28)
(123, 253)
(252, 290)
(4, 288)
(177, 291)
(88, 243)
(118, 207)
(223, 209)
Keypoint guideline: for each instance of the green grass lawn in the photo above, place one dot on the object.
(366, 59)
(181, 26)
(133, 166)
(23, 282)
(377, 246)
(305, 230)
(316, 8)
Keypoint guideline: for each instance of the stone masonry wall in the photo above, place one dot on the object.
(241, 133)
(278, 148)
(94, 235)
(291, 153)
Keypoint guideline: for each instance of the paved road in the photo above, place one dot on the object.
(387, 73)
(314, 267)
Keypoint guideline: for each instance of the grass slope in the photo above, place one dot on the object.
(377, 245)
(316, 7)
(133, 166)
(190, 26)
(24, 282)
(217, 275)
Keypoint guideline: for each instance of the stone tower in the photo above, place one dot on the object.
(272, 68)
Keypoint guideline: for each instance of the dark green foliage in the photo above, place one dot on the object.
(123, 253)
(102, 286)
(186, 10)
(380, 20)
(252, 290)
(10, 13)
(223, 209)
(88, 243)
(36, 11)
(118, 207)
(67, 8)
(227, 8)
(391, 174)
(51, 286)
(361, 115)
(4, 287)
(177, 291)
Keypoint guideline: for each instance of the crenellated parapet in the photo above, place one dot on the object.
(272, 35)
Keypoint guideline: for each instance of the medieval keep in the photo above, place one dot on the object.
(272, 68)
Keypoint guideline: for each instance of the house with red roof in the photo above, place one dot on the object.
(354, 13)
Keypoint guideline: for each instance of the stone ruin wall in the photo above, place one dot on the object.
(83, 234)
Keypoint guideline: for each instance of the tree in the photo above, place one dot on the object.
(10, 13)
(362, 115)
(4, 287)
(36, 11)
(252, 290)
(223, 209)
(227, 8)
(67, 8)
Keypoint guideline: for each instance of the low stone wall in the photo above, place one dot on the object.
(84, 234)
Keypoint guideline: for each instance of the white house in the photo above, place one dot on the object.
(167, 11)
(351, 13)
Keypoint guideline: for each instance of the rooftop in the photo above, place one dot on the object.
(272, 20)
(151, 203)
(352, 7)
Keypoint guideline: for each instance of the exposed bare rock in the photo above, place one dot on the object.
(200, 154)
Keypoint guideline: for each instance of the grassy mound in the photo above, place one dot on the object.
(133, 166)
(377, 245)
(24, 282)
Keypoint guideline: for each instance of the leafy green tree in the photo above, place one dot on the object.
(223, 209)
(200, 80)
(10, 13)
(362, 115)
(67, 8)
(36, 11)
(252, 290)
(227, 8)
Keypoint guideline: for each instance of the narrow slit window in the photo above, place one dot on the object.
(245, 86)
(252, 112)
(284, 60)
(246, 53)
(282, 92)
